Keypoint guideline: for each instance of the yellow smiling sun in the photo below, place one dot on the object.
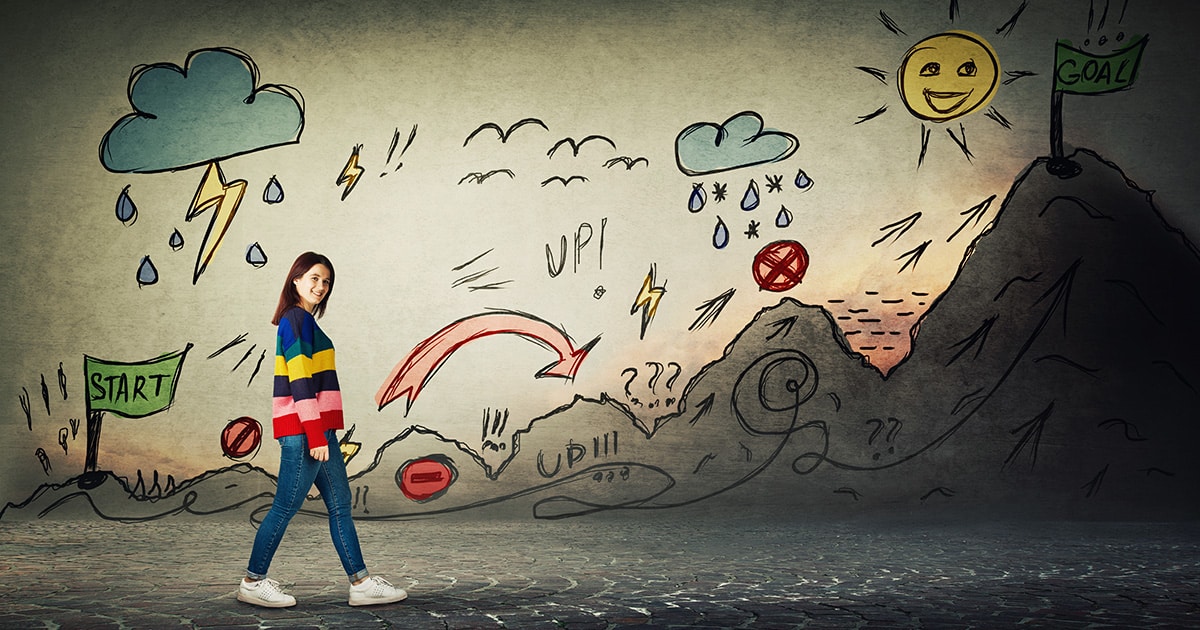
(948, 75)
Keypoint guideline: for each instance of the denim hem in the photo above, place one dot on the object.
(361, 575)
(254, 576)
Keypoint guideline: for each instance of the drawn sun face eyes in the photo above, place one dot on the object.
(932, 91)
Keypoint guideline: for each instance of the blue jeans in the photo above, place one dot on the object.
(298, 471)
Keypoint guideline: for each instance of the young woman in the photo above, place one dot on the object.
(307, 412)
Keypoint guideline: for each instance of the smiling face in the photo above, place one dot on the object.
(948, 75)
(313, 286)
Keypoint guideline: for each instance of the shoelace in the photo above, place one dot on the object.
(270, 589)
(377, 587)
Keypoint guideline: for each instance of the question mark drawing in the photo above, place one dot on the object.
(658, 370)
(678, 371)
(627, 383)
(896, 424)
(875, 433)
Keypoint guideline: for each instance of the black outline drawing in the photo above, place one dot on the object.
(504, 134)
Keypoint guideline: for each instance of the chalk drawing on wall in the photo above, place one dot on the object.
(211, 109)
(241, 438)
(351, 172)
(648, 298)
(416, 369)
(131, 390)
(732, 423)
(705, 148)
(1082, 72)
(475, 280)
(945, 77)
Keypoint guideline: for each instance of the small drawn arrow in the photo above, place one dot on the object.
(412, 373)
(704, 406)
(782, 327)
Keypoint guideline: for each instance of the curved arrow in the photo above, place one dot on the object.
(411, 374)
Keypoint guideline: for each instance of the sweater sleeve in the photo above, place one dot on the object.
(297, 336)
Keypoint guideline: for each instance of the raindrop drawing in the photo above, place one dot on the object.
(146, 273)
(698, 199)
(750, 199)
(784, 218)
(256, 256)
(803, 181)
(273, 193)
(126, 209)
(720, 235)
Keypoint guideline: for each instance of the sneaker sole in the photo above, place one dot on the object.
(375, 602)
(259, 602)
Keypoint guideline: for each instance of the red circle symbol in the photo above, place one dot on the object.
(241, 437)
(426, 478)
(780, 265)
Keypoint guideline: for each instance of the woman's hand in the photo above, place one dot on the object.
(320, 453)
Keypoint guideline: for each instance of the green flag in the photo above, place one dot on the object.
(133, 390)
(1079, 72)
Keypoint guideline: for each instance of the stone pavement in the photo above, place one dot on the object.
(649, 570)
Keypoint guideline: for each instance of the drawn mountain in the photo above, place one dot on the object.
(1054, 377)
(1055, 374)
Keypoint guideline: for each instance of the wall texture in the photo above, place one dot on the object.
(818, 258)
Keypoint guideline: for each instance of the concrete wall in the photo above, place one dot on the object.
(756, 271)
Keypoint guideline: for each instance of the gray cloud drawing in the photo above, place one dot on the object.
(704, 148)
(210, 109)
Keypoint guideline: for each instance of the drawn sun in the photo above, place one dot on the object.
(947, 76)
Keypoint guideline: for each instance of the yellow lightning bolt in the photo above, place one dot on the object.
(648, 299)
(351, 174)
(349, 449)
(225, 197)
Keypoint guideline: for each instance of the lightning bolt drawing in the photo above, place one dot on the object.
(214, 192)
(647, 300)
(351, 173)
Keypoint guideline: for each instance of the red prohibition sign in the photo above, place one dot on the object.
(241, 437)
(780, 265)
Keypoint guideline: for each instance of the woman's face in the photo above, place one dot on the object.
(313, 286)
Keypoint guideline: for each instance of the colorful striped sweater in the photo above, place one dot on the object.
(307, 398)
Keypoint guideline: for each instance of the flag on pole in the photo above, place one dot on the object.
(133, 390)
(1080, 72)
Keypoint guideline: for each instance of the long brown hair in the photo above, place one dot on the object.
(288, 297)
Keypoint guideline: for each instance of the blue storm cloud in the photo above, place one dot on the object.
(208, 110)
(741, 141)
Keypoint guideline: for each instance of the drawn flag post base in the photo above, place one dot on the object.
(1063, 167)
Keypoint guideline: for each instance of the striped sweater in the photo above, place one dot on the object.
(307, 398)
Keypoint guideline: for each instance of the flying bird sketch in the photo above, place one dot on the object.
(575, 146)
(505, 134)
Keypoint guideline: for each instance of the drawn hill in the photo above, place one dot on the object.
(1054, 377)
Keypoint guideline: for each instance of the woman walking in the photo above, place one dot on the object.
(307, 412)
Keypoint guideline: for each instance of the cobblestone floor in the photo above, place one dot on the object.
(654, 571)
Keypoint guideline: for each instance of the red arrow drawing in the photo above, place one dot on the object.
(411, 374)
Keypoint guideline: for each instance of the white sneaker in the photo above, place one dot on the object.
(375, 590)
(265, 593)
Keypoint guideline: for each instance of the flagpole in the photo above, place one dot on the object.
(1059, 165)
(91, 477)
